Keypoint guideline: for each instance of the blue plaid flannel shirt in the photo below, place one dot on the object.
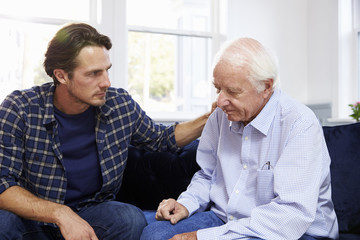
(30, 151)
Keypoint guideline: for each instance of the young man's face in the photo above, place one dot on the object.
(238, 98)
(90, 78)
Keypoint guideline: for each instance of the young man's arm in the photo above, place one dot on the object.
(186, 132)
(26, 205)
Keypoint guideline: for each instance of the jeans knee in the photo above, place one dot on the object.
(147, 233)
(10, 225)
(131, 216)
(116, 220)
(138, 221)
(158, 231)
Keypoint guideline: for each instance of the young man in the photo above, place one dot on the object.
(265, 167)
(63, 146)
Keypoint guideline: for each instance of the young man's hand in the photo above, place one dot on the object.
(72, 226)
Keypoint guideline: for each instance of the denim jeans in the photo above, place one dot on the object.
(110, 220)
(159, 230)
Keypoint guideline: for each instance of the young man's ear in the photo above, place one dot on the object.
(60, 75)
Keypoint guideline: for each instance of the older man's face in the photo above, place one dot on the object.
(237, 97)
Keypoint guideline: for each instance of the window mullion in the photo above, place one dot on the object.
(177, 32)
(39, 20)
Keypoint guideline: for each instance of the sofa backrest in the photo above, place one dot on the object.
(150, 177)
(343, 143)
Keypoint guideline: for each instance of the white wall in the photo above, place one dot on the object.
(281, 25)
(322, 50)
(304, 36)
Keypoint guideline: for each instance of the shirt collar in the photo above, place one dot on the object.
(49, 103)
(264, 119)
(105, 110)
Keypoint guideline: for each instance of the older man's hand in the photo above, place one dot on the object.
(185, 236)
(171, 210)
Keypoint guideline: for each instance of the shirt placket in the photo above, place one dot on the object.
(237, 205)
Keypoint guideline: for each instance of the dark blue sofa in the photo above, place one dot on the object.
(150, 177)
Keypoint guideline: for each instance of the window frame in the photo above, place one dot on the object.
(357, 61)
(347, 86)
(216, 39)
(93, 16)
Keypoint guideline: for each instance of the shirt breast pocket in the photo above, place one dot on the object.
(264, 186)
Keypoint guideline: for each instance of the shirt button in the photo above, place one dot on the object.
(245, 166)
(231, 218)
(246, 138)
(237, 191)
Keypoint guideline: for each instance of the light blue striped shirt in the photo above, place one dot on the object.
(285, 200)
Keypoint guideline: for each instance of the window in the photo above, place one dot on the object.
(356, 22)
(25, 33)
(358, 63)
(162, 49)
(23, 47)
(170, 46)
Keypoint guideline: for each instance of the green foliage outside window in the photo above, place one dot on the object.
(152, 61)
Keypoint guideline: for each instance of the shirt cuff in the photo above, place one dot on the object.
(7, 183)
(190, 205)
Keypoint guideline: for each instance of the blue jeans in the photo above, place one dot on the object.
(110, 220)
(159, 230)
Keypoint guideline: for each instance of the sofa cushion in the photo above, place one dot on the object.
(343, 143)
(150, 177)
(349, 236)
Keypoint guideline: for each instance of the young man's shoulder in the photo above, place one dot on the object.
(117, 96)
(117, 92)
(35, 95)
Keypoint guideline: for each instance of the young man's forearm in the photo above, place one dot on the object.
(186, 132)
(26, 205)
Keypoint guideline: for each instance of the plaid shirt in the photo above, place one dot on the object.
(30, 151)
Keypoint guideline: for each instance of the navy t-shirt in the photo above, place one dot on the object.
(81, 161)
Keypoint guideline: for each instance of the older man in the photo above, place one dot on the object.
(264, 162)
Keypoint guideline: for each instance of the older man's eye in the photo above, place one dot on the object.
(234, 93)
